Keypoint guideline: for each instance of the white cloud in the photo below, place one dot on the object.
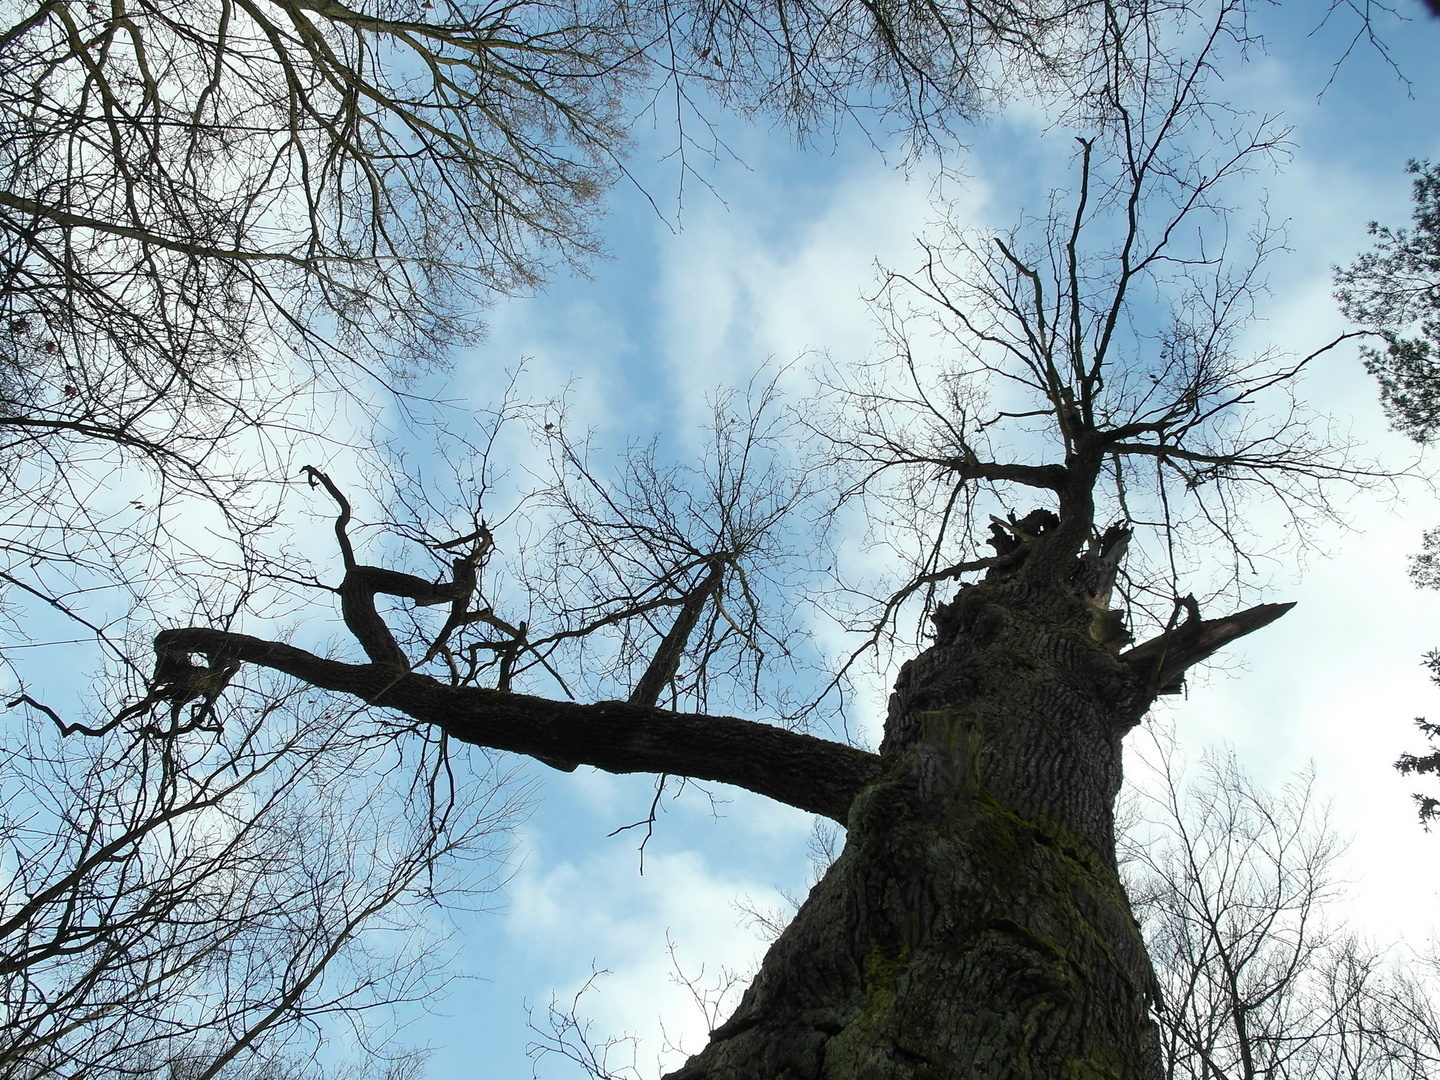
(744, 285)
(601, 913)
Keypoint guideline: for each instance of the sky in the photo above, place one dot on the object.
(771, 267)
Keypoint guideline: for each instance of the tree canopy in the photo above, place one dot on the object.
(223, 223)
(1394, 291)
(1093, 367)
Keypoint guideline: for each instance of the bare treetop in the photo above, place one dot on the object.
(1094, 361)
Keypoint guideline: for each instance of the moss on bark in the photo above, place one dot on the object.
(974, 926)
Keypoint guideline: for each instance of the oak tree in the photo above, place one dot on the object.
(219, 223)
(975, 922)
(214, 215)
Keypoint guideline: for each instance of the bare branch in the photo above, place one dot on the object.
(796, 769)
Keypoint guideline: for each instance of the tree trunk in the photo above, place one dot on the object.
(974, 925)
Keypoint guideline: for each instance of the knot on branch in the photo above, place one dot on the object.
(178, 681)
(182, 682)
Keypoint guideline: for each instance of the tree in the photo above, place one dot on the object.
(205, 207)
(203, 903)
(217, 219)
(189, 187)
(1428, 806)
(213, 216)
(210, 216)
(975, 922)
(1394, 292)
(1234, 888)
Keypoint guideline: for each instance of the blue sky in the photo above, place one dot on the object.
(772, 268)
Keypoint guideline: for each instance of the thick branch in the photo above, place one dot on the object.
(1163, 660)
(1051, 477)
(800, 770)
(357, 591)
(666, 661)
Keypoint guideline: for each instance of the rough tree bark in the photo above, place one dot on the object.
(974, 925)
